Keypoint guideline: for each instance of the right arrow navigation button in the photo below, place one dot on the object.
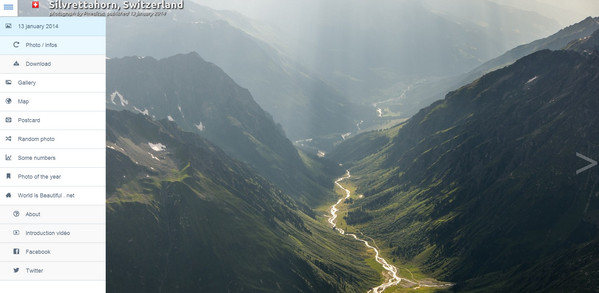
(592, 163)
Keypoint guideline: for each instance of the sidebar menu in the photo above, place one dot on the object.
(52, 154)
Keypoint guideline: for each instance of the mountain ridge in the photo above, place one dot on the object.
(203, 99)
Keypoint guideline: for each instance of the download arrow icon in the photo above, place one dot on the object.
(592, 163)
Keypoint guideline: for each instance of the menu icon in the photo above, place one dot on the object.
(9, 8)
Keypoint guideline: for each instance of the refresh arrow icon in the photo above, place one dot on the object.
(592, 163)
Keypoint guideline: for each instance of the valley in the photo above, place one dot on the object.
(392, 278)
(476, 192)
(459, 129)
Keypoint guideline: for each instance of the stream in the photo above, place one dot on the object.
(392, 277)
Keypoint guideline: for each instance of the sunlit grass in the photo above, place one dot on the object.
(408, 270)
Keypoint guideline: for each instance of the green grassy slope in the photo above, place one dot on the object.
(184, 217)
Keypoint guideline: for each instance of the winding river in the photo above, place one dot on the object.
(392, 277)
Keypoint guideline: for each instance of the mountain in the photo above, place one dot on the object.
(587, 44)
(201, 98)
(481, 188)
(422, 94)
(184, 217)
(303, 104)
(554, 42)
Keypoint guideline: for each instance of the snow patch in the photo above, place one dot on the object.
(532, 79)
(200, 126)
(158, 147)
(170, 118)
(181, 111)
(153, 157)
(145, 111)
(345, 135)
(301, 141)
(121, 98)
(358, 125)
(116, 148)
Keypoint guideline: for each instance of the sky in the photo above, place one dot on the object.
(564, 12)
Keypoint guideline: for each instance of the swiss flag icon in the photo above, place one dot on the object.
(35, 4)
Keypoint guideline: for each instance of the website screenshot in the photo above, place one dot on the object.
(299, 146)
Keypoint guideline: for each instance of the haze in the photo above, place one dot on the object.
(564, 12)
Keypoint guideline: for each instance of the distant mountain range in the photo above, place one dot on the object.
(372, 52)
(482, 189)
(184, 217)
(425, 93)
